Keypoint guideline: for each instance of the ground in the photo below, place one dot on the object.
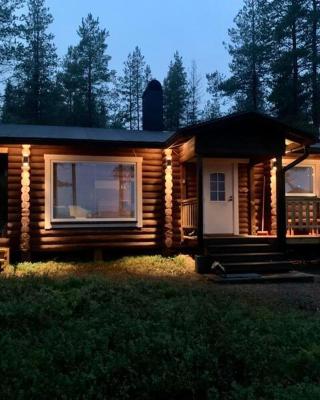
(150, 328)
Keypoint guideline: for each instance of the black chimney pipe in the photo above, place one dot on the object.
(152, 100)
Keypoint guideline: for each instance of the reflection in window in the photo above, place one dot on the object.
(93, 191)
(299, 180)
(217, 187)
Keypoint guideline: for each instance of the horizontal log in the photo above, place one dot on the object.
(114, 245)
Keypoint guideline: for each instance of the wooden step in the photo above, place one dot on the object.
(249, 257)
(286, 277)
(260, 266)
(240, 248)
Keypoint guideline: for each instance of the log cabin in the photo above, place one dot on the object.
(236, 183)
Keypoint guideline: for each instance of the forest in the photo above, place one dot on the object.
(274, 68)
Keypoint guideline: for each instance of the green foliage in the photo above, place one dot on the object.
(175, 94)
(31, 98)
(86, 75)
(9, 31)
(135, 338)
(249, 49)
(136, 75)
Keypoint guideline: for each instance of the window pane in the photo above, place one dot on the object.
(299, 180)
(85, 190)
(222, 196)
(217, 187)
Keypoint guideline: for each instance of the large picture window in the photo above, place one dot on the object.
(93, 190)
(300, 181)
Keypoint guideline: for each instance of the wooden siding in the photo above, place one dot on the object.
(244, 201)
(261, 171)
(150, 236)
(190, 181)
(12, 236)
(176, 196)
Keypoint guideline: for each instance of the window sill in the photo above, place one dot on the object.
(79, 225)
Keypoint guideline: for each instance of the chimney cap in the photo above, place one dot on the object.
(154, 86)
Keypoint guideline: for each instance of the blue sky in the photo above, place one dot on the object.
(196, 28)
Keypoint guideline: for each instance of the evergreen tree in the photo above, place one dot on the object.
(288, 95)
(312, 44)
(249, 50)
(9, 31)
(85, 76)
(136, 75)
(92, 65)
(175, 94)
(194, 95)
(34, 74)
(11, 104)
(212, 107)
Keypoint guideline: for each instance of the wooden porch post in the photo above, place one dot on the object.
(168, 200)
(25, 204)
(200, 201)
(253, 229)
(281, 203)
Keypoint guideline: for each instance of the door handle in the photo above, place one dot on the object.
(230, 198)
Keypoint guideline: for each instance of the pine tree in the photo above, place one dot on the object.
(249, 50)
(194, 95)
(212, 107)
(9, 31)
(287, 96)
(11, 104)
(175, 94)
(93, 65)
(136, 75)
(34, 74)
(85, 76)
(313, 21)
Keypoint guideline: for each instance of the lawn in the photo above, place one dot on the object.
(149, 328)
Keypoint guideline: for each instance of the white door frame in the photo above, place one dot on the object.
(207, 163)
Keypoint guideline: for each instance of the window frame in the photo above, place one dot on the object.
(51, 222)
(297, 194)
(218, 191)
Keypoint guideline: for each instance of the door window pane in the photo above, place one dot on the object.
(217, 187)
(88, 190)
(299, 180)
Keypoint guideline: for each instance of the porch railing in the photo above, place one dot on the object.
(189, 214)
(303, 216)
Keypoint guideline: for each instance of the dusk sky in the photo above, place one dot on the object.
(196, 28)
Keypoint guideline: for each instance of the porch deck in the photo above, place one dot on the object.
(303, 222)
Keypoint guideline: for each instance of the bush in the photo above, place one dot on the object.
(94, 338)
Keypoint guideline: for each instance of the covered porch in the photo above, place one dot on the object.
(234, 182)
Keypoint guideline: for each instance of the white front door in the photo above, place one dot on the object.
(220, 203)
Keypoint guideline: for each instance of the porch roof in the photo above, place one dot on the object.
(245, 134)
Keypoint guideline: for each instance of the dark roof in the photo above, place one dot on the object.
(39, 133)
(237, 121)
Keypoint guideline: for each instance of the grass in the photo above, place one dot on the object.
(148, 328)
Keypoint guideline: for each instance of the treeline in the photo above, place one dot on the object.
(274, 47)
(274, 68)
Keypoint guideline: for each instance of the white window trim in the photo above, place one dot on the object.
(50, 222)
(307, 164)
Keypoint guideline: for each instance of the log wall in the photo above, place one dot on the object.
(261, 176)
(244, 200)
(13, 230)
(150, 236)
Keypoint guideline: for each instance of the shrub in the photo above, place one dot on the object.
(93, 338)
